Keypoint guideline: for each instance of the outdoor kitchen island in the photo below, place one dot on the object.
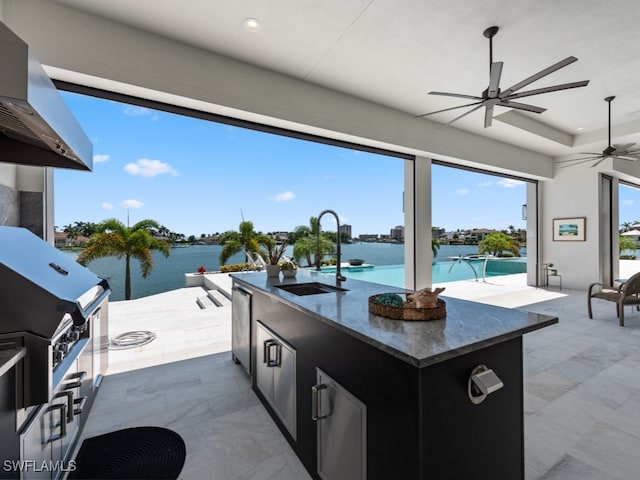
(362, 396)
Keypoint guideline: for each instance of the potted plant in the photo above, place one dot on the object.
(272, 253)
(288, 267)
(202, 270)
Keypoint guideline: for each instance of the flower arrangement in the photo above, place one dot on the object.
(202, 270)
(288, 267)
(288, 264)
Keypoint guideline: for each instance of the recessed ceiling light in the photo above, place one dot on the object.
(579, 128)
(251, 24)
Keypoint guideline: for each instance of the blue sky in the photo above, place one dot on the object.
(195, 177)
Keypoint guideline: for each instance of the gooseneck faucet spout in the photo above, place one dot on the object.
(339, 276)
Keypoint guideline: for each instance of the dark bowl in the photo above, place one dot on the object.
(356, 261)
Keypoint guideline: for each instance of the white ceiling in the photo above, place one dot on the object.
(394, 52)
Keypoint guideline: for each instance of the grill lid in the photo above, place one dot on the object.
(39, 285)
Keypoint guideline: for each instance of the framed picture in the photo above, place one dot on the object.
(569, 229)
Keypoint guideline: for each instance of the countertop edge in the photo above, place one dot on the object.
(545, 320)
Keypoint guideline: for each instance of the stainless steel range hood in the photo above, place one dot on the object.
(36, 126)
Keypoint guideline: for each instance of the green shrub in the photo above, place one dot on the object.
(236, 267)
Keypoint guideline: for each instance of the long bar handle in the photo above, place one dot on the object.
(266, 345)
(315, 402)
(268, 357)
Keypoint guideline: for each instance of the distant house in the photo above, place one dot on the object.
(62, 240)
(476, 235)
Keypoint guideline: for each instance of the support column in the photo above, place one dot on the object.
(417, 213)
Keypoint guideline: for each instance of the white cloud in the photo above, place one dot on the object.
(485, 184)
(462, 191)
(106, 206)
(130, 203)
(99, 158)
(284, 196)
(146, 167)
(509, 182)
(627, 203)
(134, 111)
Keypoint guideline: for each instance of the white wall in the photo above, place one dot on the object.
(8, 175)
(574, 192)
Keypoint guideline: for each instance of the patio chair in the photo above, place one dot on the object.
(627, 293)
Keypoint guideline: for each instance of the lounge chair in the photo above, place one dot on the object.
(628, 293)
(255, 260)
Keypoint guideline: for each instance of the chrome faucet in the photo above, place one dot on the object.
(339, 276)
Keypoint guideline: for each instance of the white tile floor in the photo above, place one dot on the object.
(582, 387)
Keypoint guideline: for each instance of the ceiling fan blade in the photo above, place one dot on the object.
(457, 95)
(581, 159)
(494, 81)
(522, 106)
(447, 109)
(626, 158)
(539, 75)
(488, 115)
(595, 154)
(553, 88)
(600, 161)
(623, 148)
(460, 116)
(576, 161)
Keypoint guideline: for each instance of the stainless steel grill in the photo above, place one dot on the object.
(48, 301)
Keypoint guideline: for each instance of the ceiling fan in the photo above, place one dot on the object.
(622, 152)
(493, 96)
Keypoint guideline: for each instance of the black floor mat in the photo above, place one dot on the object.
(133, 453)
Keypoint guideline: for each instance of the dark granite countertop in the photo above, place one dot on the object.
(468, 326)
(9, 357)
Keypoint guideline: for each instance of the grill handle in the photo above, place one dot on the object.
(69, 409)
(63, 424)
(79, 405)
(77, 380)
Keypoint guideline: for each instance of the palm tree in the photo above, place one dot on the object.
(114, 239)
(72, 231)
(626, 226)
(435, 246)
(245, 239)
(306, 246)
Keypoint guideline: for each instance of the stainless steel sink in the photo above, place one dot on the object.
(310, 288)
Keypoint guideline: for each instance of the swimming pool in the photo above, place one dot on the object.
(441, 272)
